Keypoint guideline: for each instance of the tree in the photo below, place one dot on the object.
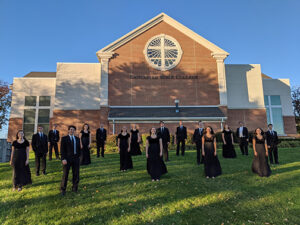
(296, 105)
(5, 101)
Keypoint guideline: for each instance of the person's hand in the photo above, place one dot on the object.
(267, 154)
(168, 143)
(160, 154)
(232, 143)
(81, 146)
(26, 162)
(119, 150)
(203, 153)
(225, 143)
(255, 153)
(10, 163)
(247, 139)
(64, 162)
(215, 153)
(89, 146)
(269, 146)
(128, 149)
(147, 156)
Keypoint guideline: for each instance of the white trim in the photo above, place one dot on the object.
(165, 121)
(164, 118)
(152, 22)
(163, 106)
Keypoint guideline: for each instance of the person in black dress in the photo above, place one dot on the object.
(70, 157)
(20, 162)
(101, 136)
(135, 140)
(260, 161)
(243, 135)
(53, 138)
(39, 145)
(154, 152)
(272, 142)
(85, 145)
(164, 134)
(228, 143)
(181, 136)
(212, 165)
(197, 139)
(124, 150)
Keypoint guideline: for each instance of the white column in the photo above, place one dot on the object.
(104, 60)
(221, 77)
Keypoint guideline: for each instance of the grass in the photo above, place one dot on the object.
(183, 196)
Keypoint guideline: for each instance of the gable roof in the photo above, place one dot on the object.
(149, 24)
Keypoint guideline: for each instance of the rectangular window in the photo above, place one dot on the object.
(275, 100)
(30, 100)
(266, 100)
(43, 119)
(277, 120)
(29, 122)
(274, 112)
(44, 100)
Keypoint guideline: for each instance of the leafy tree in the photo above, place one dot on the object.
(296, 105)
(5, 101)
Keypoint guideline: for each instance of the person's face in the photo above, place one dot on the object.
(134, 126)
(270, 127)
(201, 125)
(40, 129)
(226, 127)
(71, 131)
(162, 124)
(241, 124)
(208, 130)
(123, 129)
(258, 131)
(180, 123)
(153, 130)
(85, 127)
(54, 127)
(101, 125)
(21, 134)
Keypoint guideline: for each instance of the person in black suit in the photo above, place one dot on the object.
(181, 136)
(101, 139)
(243, 135)
(272, 142)
(164, 134)
(70, 157)
(39, 145)
(53, 138)
(197, 139)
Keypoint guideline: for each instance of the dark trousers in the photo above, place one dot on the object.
(273, 151)
(38, 158)
(199, 153)
(53, 145)
(244, 146)
(100, 145)
(165, 151)
(182, 142)
(75, 164)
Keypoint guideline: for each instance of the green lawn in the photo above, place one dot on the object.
(183, 196)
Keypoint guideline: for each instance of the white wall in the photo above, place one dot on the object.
(77, 86)
(30, 87)
(244, 86)
(280, 87)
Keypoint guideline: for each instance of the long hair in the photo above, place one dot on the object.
(87, 126)
(211, 130)
(151, 129)
(262, 132)
(17, 134)
(228, 127)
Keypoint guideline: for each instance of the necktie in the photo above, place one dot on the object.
(73, 144)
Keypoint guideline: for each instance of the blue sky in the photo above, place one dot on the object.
(35, 34)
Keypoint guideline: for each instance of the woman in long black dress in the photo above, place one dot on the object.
(135, 141)
(212, 165)
(124, 150)
(155, 164)
(20, 162)
(85, 145)
(228, 147)
(260, 161)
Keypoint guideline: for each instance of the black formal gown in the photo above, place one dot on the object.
(21, 173)
(134, 144)
(212, 165)
(125, 157)
(85, 158)
(228, 149)
(155, 164)
(260, 162)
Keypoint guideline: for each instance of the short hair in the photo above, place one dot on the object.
(270, 124)
(161, 122)
(241, 122)
(200, 121)
(71, 126)
(39, 125)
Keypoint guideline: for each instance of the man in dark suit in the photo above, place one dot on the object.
(53, 138)
(272, 142)
(197, 139)
(70, 157)
(243, 135)
(164, 134)
(39, 145)
(101, 139)
(181, 136)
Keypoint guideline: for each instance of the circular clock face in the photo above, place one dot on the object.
(163, 52)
